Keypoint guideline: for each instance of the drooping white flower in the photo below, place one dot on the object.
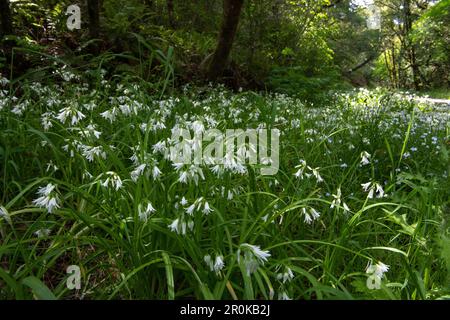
(110, 114)
(315, 172)
(181, 226)
(4, 213)
(379, 190)
(216, 265)
(379, 269)
(365, 158)
(253, 257)
(283, 296)
(373, 189)
(48, 198)
(90, 152)
(206, 209)
(70, 112)
(337, 201)
(310, 215)
(314, 213)
(301, 169)
(219, 264)
(46, 120)
(285, 276)
(366, 186)
(209, 262)
(190, 209)
(136, 173)
(145, 213)
(156, 172)
(113, 180)
(91, 131)
(42, 233)
(174, 226)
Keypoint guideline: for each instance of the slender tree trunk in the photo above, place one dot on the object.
(411, 51)
(232, 11)
(5, 18)
(362, 64)
(94, 18)
(170, 11)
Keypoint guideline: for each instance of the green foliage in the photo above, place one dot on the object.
(122, 255)
(293, 81)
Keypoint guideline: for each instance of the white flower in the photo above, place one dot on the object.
(365, 158)
(180, 226)
(144, 214)
(310, 216)
(209, 262)
(4, 213)
(366, 186)
(315, 214)
(206, 209)
(301, 168)
(316, 174)
(113, 180)
(286, 276)
(337, 201)
(136, 173)
(51, 166)
(42, 233)
(346, 208)
(378, 269)
(46, 120)
(91, 131)
(174, 225)
(90, 152)
(373, 188)
(70, 112)
(190, 209)
(48, 198)
(381, 268)
(283, 296)
(218, 264)
(253, 257)
(183, 177)
(110, 114)
(160, 147)
(156, 172)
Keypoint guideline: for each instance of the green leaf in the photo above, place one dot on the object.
(40, 290)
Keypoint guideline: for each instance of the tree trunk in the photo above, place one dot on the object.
(411, 51)
(232, 11)
(5, 18)
(170, 11)
(94, 18)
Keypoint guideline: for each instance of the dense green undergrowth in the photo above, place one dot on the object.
(362, 189)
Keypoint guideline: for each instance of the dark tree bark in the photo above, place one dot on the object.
(5, 18)
(170, 10)
(232, 11)
(94, 18)
(362, 64)
(411, 51)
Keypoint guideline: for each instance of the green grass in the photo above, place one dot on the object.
(122, 256)
(437, 94)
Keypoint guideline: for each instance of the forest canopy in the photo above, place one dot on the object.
(286, 46)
